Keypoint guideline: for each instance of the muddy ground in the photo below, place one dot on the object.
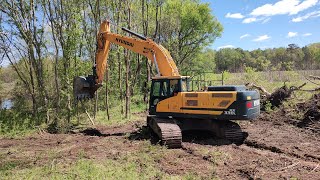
(274, 149)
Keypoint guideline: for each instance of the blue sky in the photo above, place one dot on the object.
(252, 24)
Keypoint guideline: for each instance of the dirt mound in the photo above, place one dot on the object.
(311, 109)
(92, 132)
(303, 115)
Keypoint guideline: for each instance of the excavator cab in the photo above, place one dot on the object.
(164, 87)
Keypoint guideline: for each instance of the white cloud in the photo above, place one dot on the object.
(244, 36)
(226, 46)
(306, 34)
(290, 7)
(262, 38)
(307, 16)
(249, 20)
(254, 19)
(266, 20)
(292, 34)
(235, 15)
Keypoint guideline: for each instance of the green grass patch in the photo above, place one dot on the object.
(140, 164)
(15, 124)
(116, 117)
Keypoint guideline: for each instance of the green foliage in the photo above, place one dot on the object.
(268, 107)
(250, 75)
(226, 75)
(188, 27)
(228, 59)
(14, 124)
(41, 86)
(283, 59)
(117, 118)
(203, 62)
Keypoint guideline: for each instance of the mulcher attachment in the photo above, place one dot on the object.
(84, 87)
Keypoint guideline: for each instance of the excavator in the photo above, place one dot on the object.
(173, 108)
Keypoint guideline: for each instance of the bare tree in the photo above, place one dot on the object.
(26, 41)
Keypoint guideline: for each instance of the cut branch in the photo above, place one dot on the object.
(260, 88)
(314, 77)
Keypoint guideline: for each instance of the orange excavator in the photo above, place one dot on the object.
(173, 108)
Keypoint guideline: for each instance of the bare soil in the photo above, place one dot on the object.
(274, 149)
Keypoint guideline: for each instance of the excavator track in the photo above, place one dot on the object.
(167, 130)
(233, 132)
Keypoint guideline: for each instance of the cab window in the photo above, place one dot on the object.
(156, 89)
(174, 87)
(185, 85)
(160, 89)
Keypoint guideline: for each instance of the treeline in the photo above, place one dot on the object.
(47, 43)
(276, 59)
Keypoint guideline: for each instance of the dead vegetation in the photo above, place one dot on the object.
(309, 109)
(281, 94)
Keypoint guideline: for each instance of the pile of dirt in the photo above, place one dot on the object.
(308, 110)
(311, 109)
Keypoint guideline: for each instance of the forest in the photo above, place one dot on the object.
(49, 42)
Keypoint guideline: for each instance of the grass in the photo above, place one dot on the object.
(269, 80)
(15, 124)
(116, 118)
(87, 169)
(273, 79)
(139, 164)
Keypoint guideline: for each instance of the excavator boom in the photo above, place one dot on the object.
(85, 87)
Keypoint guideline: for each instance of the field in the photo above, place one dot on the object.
(280, 145)
(274, 149)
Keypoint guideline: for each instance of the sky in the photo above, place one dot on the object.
(253, 24)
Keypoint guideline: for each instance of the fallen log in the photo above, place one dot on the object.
(260, 88)
(277, 97)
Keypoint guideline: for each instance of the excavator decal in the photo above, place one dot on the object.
(124, 42)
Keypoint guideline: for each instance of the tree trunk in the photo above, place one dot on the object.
(127, 112)
(107, 94)
(145, 17)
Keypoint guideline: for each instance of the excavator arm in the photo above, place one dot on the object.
(85, 87)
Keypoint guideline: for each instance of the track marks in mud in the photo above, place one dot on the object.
(262, 146)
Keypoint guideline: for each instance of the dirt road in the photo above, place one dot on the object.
(274, 150)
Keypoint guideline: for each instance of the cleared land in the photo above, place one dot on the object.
(275, 149)
(282, 144)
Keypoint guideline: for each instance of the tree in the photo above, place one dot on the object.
(228, 59)
(187, 27)
(25, 41)
(203, 62)
(295, 55)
